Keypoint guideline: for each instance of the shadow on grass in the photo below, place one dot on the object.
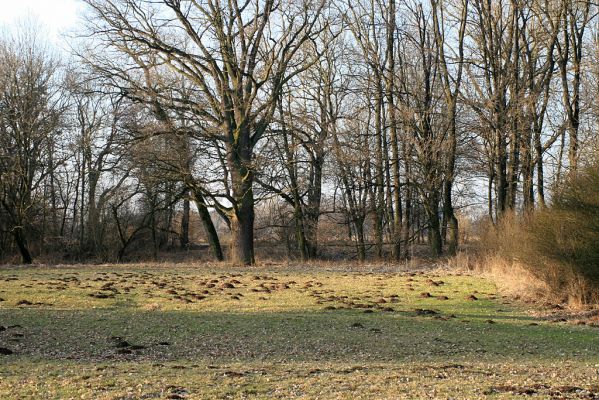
(336, 336)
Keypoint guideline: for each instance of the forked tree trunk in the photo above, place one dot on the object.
(21, 242)
(451, 226)
(209, 228)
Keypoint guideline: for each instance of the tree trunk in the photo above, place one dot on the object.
(406, 214)
(312, 214)
(513, 166)
(432, 211)
(311, 233)
(300, 231)
(435, 237)
(209, 228)
(379, 194)
(21, 242)
(242, 231)
(451, 233)
(491, 180)
(451, 228)
(390, 92)
(305, 217)
(93, 214)
(527, 174)
(540, 169)
(451, 222)
(360, 245)
(153, 229)
(242, 178)
(501, 171)
(515, 137)
(185, 224)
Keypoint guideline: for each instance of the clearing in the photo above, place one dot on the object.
(211, 331)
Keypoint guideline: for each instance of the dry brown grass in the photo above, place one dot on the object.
(549, 255)
(514, 280)
(511, 278)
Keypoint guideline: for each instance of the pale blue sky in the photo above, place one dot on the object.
(56, 16)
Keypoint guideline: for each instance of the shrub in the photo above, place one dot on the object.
(558, 245)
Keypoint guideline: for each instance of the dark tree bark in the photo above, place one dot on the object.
(185, 223)
(21, 242)
(208, 225)
(393, 127)
(242, 217)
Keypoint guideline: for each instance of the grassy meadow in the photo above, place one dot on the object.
(272, 331)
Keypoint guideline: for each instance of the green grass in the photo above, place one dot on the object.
(279, 333)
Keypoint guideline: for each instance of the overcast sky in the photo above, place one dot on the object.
(57, 16)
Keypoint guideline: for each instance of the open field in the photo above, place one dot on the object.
(196, 332)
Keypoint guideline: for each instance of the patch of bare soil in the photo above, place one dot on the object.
(558, 314)
(556, 392)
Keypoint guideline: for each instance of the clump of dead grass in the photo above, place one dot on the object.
(551, 252)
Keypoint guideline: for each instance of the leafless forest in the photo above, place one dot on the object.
(295, 125)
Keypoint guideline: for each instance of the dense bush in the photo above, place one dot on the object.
(558, 245)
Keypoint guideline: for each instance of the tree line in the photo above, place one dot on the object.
(386, 116)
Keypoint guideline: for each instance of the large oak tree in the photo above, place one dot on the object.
(238, 55)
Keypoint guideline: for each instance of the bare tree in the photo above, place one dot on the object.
(31, 105)
(576, 17)
(451, 80)
(98, 147)
(237, 55)
(308, 112)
